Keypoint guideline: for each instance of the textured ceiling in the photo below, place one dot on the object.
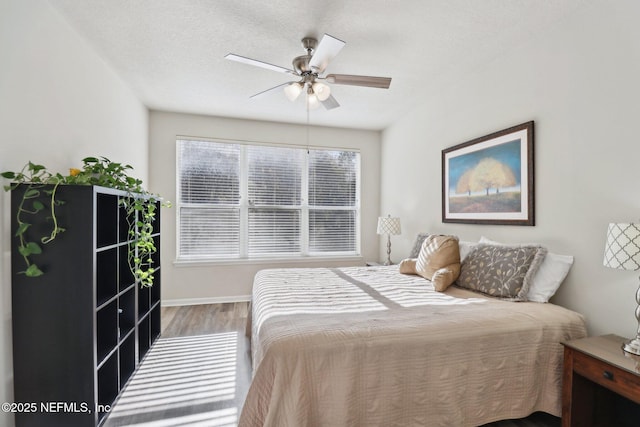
(171, 52)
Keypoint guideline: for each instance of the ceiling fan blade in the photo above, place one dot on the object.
(330, 103)
(327, 49)
(257, 63)
(269, 90)
(368, 81)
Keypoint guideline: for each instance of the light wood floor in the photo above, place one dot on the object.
(198, 373)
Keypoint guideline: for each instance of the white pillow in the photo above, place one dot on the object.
(548, 278)
(465, 247)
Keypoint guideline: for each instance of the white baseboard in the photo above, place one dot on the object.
(199, 301)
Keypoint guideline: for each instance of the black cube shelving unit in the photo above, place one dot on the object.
(82, 328)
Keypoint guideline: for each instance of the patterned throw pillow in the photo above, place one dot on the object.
(501, 271)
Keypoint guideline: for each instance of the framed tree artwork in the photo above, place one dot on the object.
(489, 180)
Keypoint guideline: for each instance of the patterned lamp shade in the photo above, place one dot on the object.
(623, 246)
(389, 225)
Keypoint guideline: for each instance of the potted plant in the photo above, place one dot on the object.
(100, 171)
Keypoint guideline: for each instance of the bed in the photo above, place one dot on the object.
(369, 346)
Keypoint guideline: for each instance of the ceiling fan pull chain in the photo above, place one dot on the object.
(307, 128)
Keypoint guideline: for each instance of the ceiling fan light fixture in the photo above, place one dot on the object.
(321, 90)
(312, 100)
(292, 91)
(309, 69)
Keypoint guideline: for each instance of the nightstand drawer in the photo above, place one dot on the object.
(615, 379)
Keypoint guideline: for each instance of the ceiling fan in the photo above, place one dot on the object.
(310, 68)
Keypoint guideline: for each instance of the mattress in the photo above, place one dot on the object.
(368, 346)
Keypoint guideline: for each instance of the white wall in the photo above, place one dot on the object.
(215, 282)
(59, 102)
(579, 82)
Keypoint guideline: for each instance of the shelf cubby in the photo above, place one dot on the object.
(143, 301)
(106, 219)
(123, 224)
(106, 275)
(155, 322)
(156, 256)
(127, 311)
(156, 224)
(125, 276)
(107, 332)
(108, 388)
(144, 337)
(155, 290)
(127, 353)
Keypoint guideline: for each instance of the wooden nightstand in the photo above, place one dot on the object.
(600, 384)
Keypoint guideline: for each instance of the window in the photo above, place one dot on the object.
(243, 201)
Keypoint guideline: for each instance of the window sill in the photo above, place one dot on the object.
(265, 261)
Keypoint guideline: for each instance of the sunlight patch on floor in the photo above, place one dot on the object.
(178, 377)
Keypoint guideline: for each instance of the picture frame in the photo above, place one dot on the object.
(490, 180)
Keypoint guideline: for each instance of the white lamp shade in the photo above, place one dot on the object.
(312, 101)
(389, 225)
(622, 249)
(292, 91)
(321, 90)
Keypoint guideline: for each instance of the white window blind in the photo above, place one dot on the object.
(333, 190)
(332, 178)
(248, 201)
(209, 199)
(275, 198)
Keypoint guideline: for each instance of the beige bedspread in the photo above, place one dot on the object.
(365, 346)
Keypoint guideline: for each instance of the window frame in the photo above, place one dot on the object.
(244, 206)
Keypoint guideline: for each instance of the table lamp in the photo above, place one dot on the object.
(390, 226)
(622, 251)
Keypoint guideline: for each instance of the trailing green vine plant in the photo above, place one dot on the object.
(141, 260)
(140, 208)
(37, 178)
